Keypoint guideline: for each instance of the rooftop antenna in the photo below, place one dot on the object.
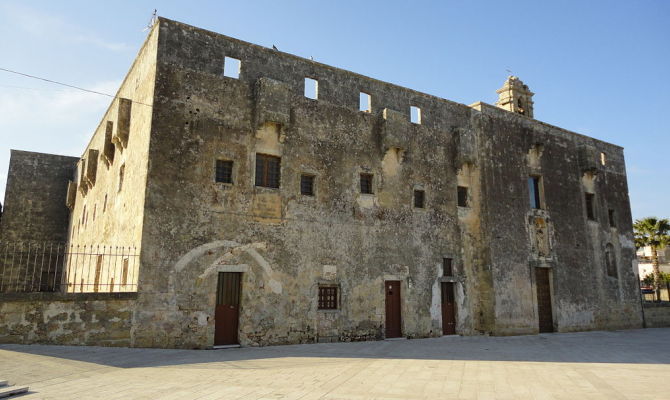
(152, 21)
(509, 70)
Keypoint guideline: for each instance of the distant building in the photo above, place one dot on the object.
(644, 260)
(274, 199)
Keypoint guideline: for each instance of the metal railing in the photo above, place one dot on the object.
(56, 267)
(649, 293)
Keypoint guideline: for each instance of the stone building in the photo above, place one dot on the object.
(274, 199)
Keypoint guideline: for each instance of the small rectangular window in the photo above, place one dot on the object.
(268, 170)
(447, 267)
(603, 158)
(366, 183)
(611, 217)
(224, 171)
(122, 172)
(365, 102)
(534, 192)
(231, 67)
(327, 297)
(311, 88)
(419, 198)
(307, 185)
(590, 206)
(462, 196)
(415, 114)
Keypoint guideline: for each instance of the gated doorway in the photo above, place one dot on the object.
(227, 312)
(448, 309)
(545, 317)
(392, 290)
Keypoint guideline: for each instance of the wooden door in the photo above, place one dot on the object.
(392, 290)
(226, 316)
(448, 309)
(546, 321)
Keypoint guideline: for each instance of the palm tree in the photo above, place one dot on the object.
(654, 233)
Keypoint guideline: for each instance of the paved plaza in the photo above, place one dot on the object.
(631, 364)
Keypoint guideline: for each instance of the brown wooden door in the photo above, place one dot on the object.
(392, 290)
(448, 309)
(545, 317)
(226, 316)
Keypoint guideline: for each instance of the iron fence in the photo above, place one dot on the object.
(649, 293)
(57, 267)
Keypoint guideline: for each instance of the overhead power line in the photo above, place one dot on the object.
(67, 85)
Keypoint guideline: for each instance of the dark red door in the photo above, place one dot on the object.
(448, 309)
(546, 321)
(227, 311)
(392, 290)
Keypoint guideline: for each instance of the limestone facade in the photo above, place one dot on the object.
(504, 199)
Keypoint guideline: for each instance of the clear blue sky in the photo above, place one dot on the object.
(601, 68)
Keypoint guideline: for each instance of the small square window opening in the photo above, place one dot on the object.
(365, 102)
(311, 88)
(327, 297)
(366, 183)
(307, 185)
(231, 67)
(590, 206)
(419, 198)
(462, 196)
(224, 171)
(415, 115)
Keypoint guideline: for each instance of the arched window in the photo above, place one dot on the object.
(521, 107)
(610, 260)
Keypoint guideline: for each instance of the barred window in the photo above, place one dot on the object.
(327, 297)
(268, 170)
(307, 185)
(366, 183)
(224, 171)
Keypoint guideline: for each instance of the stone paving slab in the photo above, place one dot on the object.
(632, 364)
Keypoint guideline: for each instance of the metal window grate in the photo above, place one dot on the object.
(224, 171)
(327, 298)
(268, 171)
(366, 183)
(419, 198)
(307, 185)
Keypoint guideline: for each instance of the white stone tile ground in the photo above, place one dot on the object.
(631, 364)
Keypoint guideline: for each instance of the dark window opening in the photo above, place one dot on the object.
(419, 198)
(611, 217)
(366, 183)
(327, 298)
(462, 196)
(224, 171)
(590, 206)
(534, 192)
(447, 267)
(268, 170)
(307, 185)
(610, 261)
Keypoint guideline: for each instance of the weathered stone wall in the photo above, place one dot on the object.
(558, 236)
(286, 242)
(108, 207)
(656, 315)
(34, 206)
(102, 319)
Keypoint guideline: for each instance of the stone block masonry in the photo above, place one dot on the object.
(103, 319)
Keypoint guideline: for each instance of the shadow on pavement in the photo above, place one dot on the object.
(641, 346)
